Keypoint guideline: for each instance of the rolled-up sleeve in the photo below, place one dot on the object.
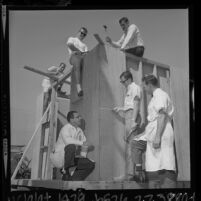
(131, 31)
(160, 103)
(70, 41)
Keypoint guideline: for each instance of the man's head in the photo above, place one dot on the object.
(82, 33)
(124, 23)
(150, 83)
(126, 78)
(62, 67)
(74, 118)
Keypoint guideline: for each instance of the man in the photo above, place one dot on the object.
(46, 84)
(70, 139)
(132, 120)
(160, 156)
(131, 41)
(77, 50)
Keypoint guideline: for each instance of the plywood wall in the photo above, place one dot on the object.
(102, 90)
(102, 67)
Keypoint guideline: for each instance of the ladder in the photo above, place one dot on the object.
(48, 125)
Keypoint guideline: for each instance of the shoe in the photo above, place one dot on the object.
(81, 93)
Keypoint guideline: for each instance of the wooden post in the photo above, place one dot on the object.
(52, 135)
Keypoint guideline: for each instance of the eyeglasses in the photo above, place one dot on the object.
(77, 117)
(123, 81)
(83, 33)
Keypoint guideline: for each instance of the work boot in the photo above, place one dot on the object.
(139, 177)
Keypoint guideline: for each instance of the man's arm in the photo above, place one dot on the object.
(160, 128)
(136, 108)
(72, 47)
(129, 36)
(116, 44)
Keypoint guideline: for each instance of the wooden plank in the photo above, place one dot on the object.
(180, 95)
(111, 128)
(98, 38)
(63, 78)
(52, 135)
(48, 75)
(88, 105)
(87, 185)
(145, 60)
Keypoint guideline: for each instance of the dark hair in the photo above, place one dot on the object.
(70, 115)
(84, 28)
(127, 75)
(125, 19)
(150, 79)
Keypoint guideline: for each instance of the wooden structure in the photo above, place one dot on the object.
(102, 92)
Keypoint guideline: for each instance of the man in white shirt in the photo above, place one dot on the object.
(160, 156)
(131, 41)
(130, 111)
(69, 142)
(56, 71)
(77, 50)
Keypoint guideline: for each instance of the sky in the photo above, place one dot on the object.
(37, 38)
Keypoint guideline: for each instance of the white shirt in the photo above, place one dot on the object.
(68, 135)
(132, 38)
(133, 91)
(77, 43)
(46, 83)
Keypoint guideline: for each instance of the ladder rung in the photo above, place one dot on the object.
(63, 96)
(46, 124)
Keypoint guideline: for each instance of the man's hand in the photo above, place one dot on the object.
(90, 146)
(157, 142)
(118, 109)
(108, 39)
(122, 49)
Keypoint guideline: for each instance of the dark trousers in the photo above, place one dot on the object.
(83, 165)
(137, 51)
(137, 149)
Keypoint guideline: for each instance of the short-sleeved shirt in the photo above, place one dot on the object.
(133, 91)
(132, 38)
(159, 101)
(77, 43)
(46, 83)
(68, 135)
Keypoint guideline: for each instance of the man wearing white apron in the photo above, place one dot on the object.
(160, 157)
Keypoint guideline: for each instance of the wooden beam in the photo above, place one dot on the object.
(52, 135)
(98, 38)
(45, 74)
(62, 79)
(144, 60)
